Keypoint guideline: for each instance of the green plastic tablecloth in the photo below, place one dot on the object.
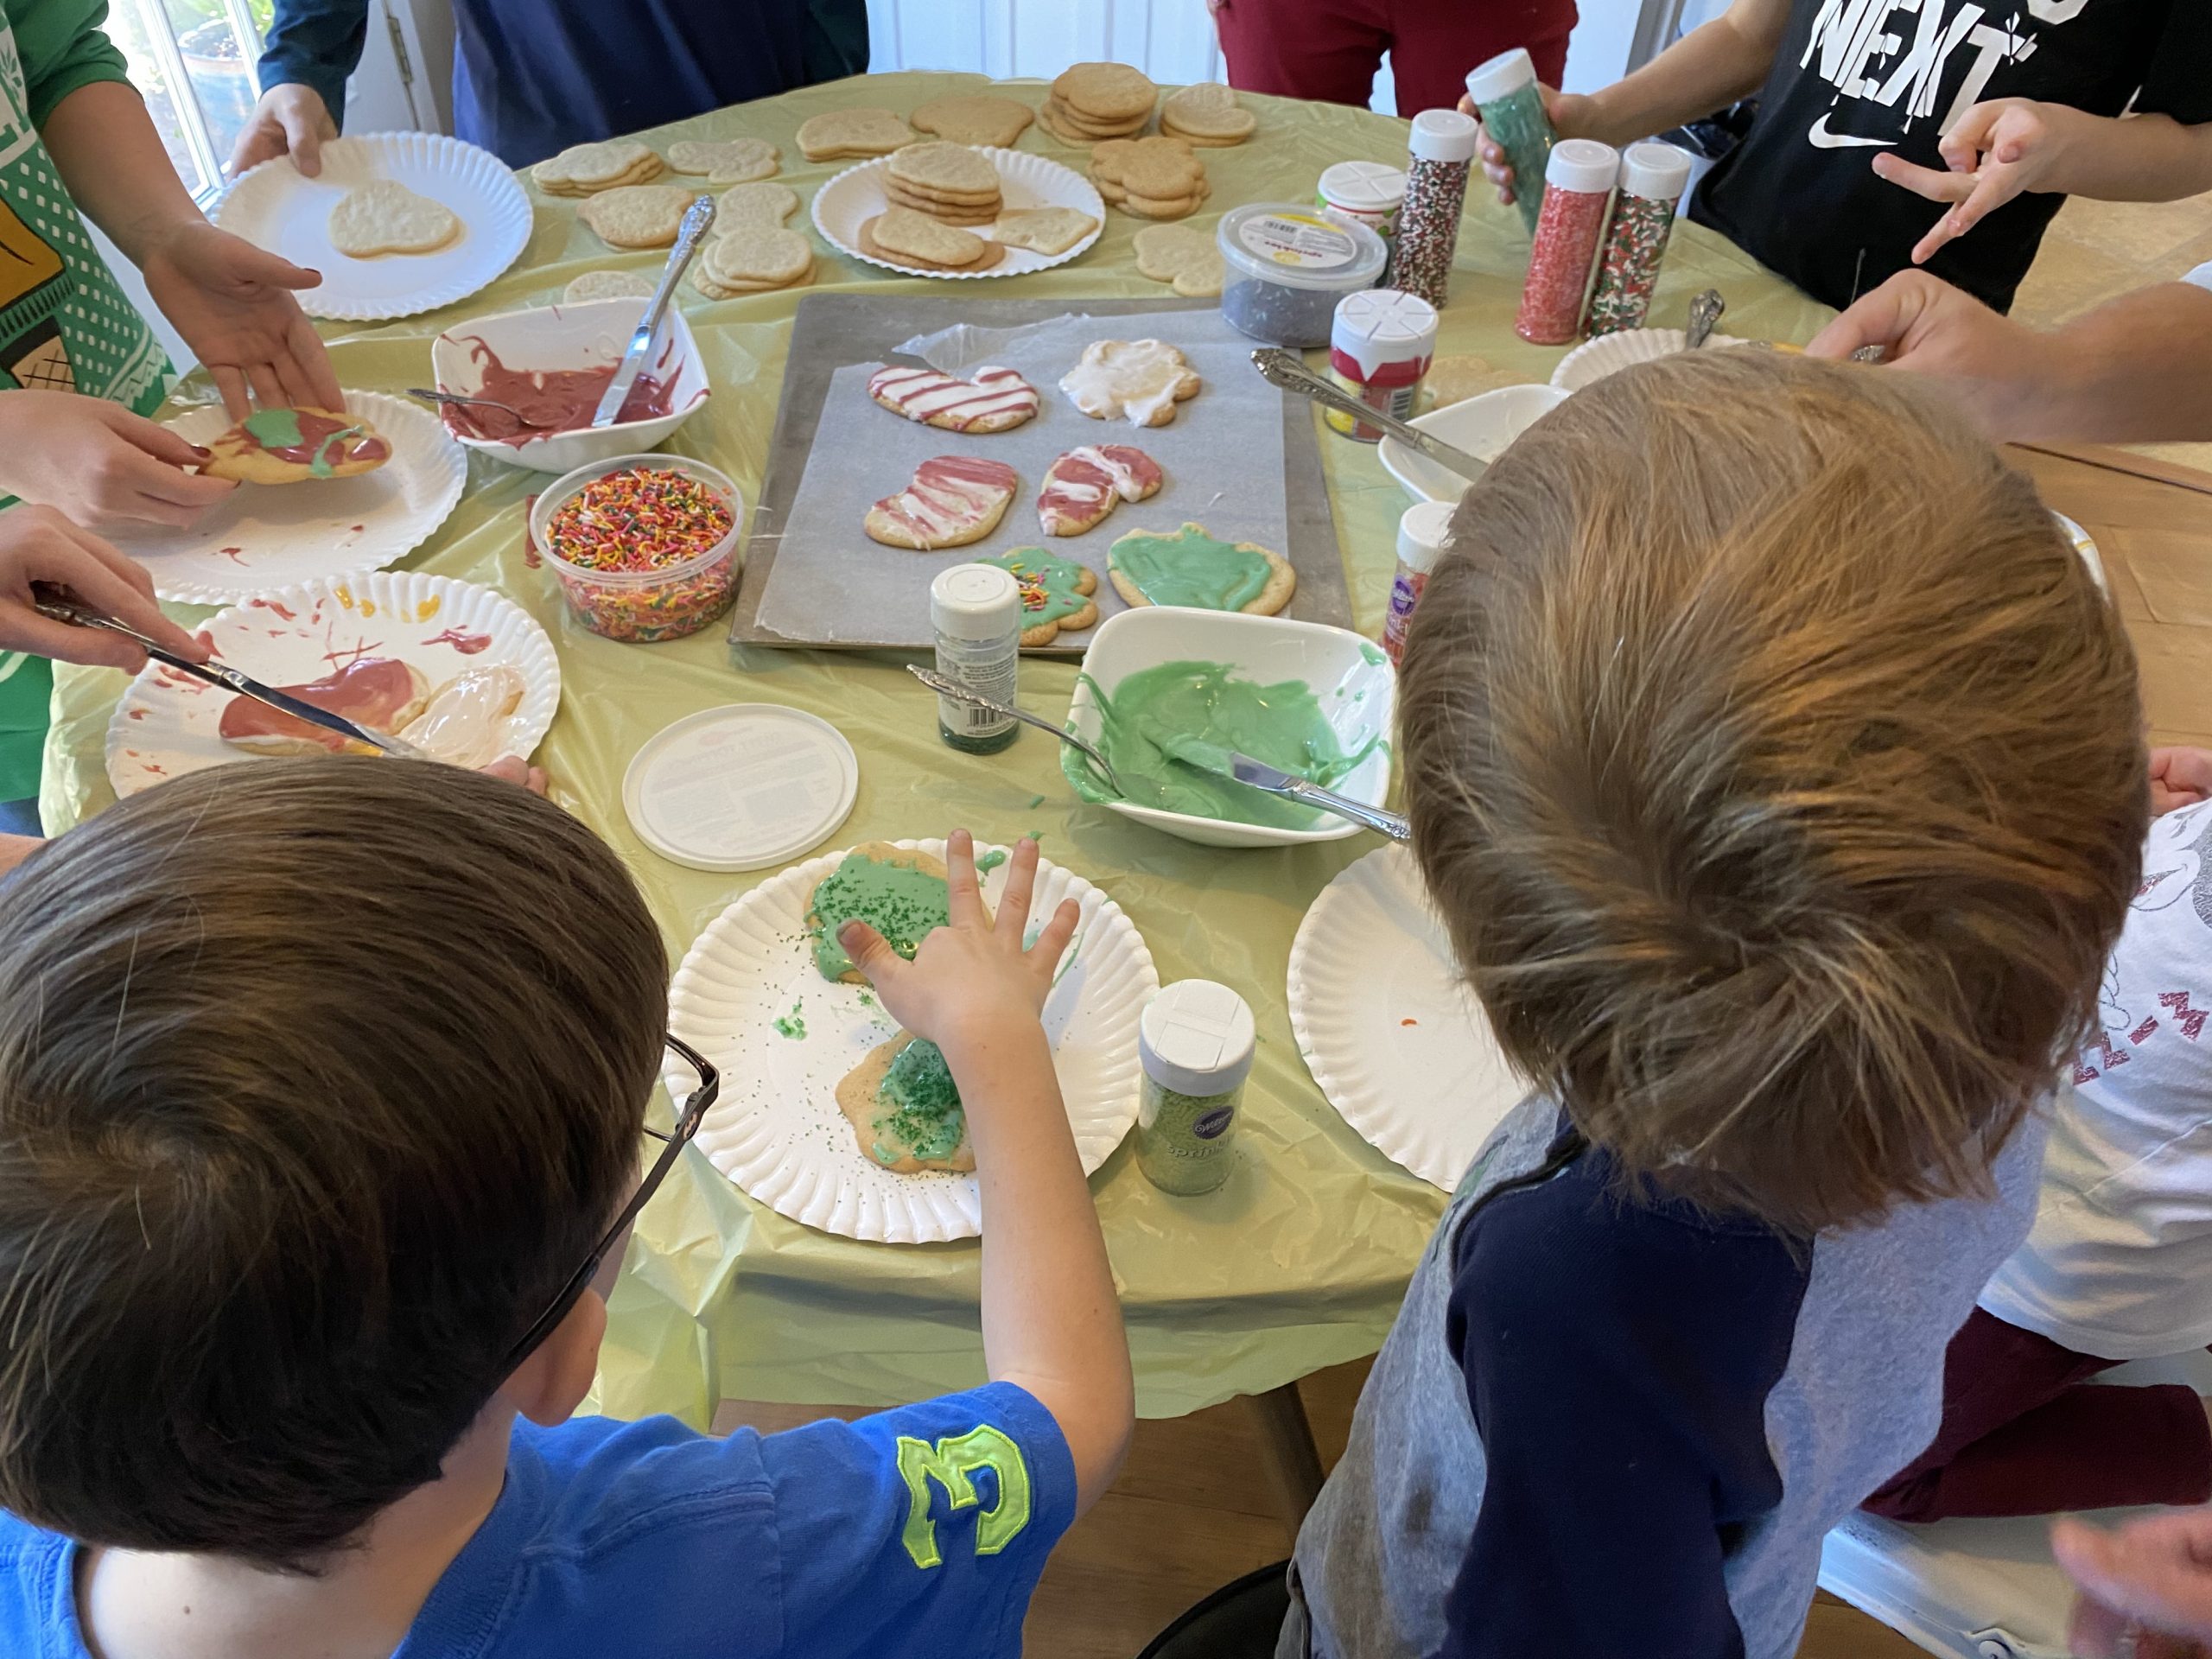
(1298, 1263)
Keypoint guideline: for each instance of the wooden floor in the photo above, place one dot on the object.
(1193, 1510)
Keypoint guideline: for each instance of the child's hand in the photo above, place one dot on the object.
(233, 304)
(103, 467)
(1998, 150)
(972, 977)
(514, 769)
(2179, 777)
(2147, 1577)
(1571, 115)
(38, 544)
(290, 118)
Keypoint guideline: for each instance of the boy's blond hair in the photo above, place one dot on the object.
(1777, 766)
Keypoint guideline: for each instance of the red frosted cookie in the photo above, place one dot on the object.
(1083, 486)
(954, 501)
(993, 401)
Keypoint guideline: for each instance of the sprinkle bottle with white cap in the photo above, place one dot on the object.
(1423, 530)
(1442, 149)
(1577, 187)
(1380, 347)
(976, 611)
(1504, 93)
(1196, 1042)
(1653, 178)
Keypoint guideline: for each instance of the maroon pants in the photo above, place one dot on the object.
(1330, 50)
(2021, 1435)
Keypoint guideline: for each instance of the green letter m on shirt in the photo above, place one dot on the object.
(952, 1463)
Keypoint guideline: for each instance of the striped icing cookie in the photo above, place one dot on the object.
(993, 401)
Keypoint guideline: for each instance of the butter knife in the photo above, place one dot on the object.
(1283, 370)
(1273, 780)
(50, 602)
(697, 218)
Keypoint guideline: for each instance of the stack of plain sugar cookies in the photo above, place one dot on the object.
(1095, 101)
(950, 183)
(749, 252)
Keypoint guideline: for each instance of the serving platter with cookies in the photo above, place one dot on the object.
(397, 222)
(956, 211)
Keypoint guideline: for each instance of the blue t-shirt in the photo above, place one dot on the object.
(919, 1532)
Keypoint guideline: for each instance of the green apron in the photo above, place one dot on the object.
(65, 325)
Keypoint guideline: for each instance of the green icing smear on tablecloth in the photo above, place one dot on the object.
(901, 903)
(921, 1112)
(1168, 733)
(1192, 567)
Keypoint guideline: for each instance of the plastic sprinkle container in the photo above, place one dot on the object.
(1379, 349)
(645, 547)
(1362, 193)
(1288, 267)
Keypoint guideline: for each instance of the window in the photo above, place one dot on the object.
(193, 61)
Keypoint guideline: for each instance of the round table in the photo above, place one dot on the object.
(1300, 1261)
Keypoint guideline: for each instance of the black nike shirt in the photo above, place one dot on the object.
(1854, 77)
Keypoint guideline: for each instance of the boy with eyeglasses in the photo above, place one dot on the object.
(322, 1085)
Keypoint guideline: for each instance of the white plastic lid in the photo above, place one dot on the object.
(1444, 136)
(740, 788)
(1363, 187)
(1196, 1037)
(1508, 71)
(975, 601)
(1423, 528)
(1582, 166)
(1381, 325)
(1657, 172)
(1300, 247)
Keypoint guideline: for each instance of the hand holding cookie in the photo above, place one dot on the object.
(99, 464)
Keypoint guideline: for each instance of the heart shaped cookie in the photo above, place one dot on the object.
(954, 501)
(995, 400)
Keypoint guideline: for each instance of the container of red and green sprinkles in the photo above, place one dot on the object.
(645, 547)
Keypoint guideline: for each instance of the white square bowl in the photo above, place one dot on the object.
(590, 335)
(1482, 426)
(1354, 682)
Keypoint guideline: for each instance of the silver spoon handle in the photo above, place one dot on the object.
(959, 693)
(1705, 317)
(1282, 370)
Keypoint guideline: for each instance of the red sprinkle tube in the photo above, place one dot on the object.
(1567, 236)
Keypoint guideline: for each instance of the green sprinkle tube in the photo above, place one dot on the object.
(1195, 1041)
(1505, 95)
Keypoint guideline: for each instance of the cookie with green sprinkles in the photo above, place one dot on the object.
(1055, 593)
(906, 1108)
(899, 891)
(1193, 569)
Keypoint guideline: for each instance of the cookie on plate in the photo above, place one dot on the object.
(1086, 484)
(636, 215)
(290, 446)
(763, 203)
(843, 133)
(899, 891)
(1191, 568)
(901, 235)
(753, 257)
(954, 501)
(1049, 230)
(979, 120)
(1206, 114)
(1055, 593)
(608, 285)
(387, 217)
(1141, 380)
(582, 169)
(378, 694)
(1188, 260)
(726, 161)
(991, 400)
(905, 1107)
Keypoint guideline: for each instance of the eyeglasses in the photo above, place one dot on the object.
(688, 1118)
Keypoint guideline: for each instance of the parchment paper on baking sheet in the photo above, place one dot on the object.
(1223, 455)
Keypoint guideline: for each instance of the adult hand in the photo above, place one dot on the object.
(2147, 1586)
(1571, 114)
(2179, 777)
(233, 305)
(98, 463)
(38, 545)
(514, 769)
(1992, 366)
(1998, 150)
(971, 979)
(290, 118)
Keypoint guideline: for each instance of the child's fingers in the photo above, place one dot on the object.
(1932, 182)
(1020, 887)
(1052, 938)
(1996, 186)
(965, 902)
(871, 953)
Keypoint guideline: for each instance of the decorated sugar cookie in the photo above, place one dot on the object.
(290, 446)
(995, 400)
(1192, 569)
(906, 1109)
(1084, 485)
(1140, 379)
(954, 501)
(899, 891)
(1055, 593)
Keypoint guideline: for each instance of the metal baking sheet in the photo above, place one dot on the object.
(822, 558)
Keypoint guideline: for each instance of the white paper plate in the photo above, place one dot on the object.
(264, 536)
(166, 724)
(1594, 359)
(1395, 1040)
(276, 206)
(856, 195)
(777, 1132)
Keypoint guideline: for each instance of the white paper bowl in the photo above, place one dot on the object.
(1594, 359)
(1483, 426)
(586, 336)
(1268, 649)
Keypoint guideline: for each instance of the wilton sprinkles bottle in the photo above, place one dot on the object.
(1578, 181)
(1442, 147)
(976, 611)
(1653, 178)
(1504, 93)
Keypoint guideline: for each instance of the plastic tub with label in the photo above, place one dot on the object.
(1288, 267)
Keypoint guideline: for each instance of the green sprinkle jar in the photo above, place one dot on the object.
(1196, 1041)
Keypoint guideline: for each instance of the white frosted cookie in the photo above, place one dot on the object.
(852, 132)
(1176, 254)
(387, 217)
(728, 161)
(607, 285)
(1050, 231)
(581, 170)
(1141, 381)
(636, 215)
(753, 204)
(953, 500)
(992, 400)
